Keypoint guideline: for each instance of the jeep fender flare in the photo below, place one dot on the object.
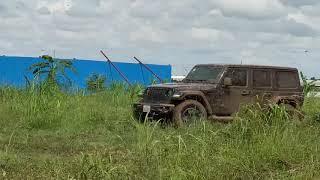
(286, 100)
(199, 96)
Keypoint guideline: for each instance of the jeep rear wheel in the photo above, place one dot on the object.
(188, 112)
(292, 111)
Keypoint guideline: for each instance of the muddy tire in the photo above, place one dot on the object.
(293, 112)
(187, 112)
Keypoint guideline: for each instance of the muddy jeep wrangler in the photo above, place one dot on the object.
(217, 91)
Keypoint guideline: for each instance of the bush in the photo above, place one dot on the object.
(96, 83)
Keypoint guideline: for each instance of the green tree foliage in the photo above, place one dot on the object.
(52, 71)
(96, 82)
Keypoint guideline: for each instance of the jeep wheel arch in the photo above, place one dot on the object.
(200, 97)
(286, 100)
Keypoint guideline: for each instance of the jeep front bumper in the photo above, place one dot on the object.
(152, 110)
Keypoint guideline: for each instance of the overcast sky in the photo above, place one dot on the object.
(177, 32)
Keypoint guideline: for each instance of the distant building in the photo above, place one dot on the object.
(317, 84)
(177, 78)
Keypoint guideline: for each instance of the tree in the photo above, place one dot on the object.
(52, 71)
(96, 82)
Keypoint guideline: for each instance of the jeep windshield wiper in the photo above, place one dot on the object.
(194, 80)
(200, 80)
(187, 80)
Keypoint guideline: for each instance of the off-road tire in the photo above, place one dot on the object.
(177, 113)
(293, 112)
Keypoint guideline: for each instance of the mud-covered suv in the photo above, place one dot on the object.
(217, 91)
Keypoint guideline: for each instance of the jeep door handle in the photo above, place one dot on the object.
(245, 92)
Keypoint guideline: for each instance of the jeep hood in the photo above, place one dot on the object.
(186, 86)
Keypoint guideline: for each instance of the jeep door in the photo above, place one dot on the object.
(262, 85)
(239, 92)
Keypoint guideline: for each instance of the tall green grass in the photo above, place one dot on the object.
(94, 136)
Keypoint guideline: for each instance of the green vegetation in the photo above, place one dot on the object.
(308, 87)
(52, 72)
(60, 136)
(96, 83)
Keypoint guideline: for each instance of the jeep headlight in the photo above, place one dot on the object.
(177, 95)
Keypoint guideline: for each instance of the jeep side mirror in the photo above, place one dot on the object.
(227, 81)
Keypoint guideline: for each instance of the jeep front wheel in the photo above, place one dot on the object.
(187, 112)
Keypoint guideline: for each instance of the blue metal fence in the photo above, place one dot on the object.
(13, 71)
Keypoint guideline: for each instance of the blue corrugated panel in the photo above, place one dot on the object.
(14, 69)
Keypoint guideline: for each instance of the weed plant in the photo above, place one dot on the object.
(53, 135)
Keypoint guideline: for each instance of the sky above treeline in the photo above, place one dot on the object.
(177, 32)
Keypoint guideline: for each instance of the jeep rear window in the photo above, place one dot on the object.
(286, 79)
(261, 78)
(204, 73)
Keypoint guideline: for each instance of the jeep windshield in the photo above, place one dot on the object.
(204, 74)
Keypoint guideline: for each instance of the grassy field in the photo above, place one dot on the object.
(59, 136)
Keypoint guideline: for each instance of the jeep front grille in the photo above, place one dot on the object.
(158, 95)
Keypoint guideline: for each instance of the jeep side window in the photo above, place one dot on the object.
(261, 78)
(286, 79)
(238, 76)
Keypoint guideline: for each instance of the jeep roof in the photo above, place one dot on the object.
(249, 65)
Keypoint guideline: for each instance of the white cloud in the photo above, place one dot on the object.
(311, 20)
(175, 32)
(207, 34)
(252, 9)
(298, 3)
(148, 33)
